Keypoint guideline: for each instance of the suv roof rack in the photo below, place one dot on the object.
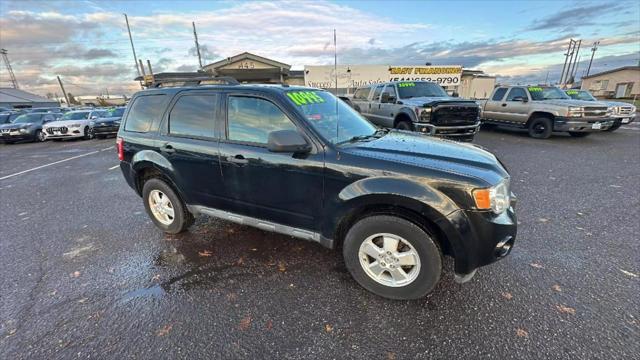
(185, 79)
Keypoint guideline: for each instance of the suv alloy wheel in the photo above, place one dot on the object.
(392, 257)
(164, 207)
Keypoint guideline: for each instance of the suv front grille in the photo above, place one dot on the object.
(454, 115)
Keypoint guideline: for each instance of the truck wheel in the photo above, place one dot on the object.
(404, 125)
(540, 128)
(615, 126)
(392, 257)
(579, 134)
(165, 208)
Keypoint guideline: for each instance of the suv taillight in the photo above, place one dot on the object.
(120, 148)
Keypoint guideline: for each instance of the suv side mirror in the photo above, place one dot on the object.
(287, 141)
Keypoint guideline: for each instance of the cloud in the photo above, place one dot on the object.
(92, 54)
(577, 17)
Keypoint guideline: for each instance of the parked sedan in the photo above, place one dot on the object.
(73, 124)
(26, 127)
(109, 124)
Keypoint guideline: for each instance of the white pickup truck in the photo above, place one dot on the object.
(544, 109)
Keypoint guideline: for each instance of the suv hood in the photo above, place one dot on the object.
(432, 153)
(618, 103)
(59, 123)
(570, 102)
(425, 100)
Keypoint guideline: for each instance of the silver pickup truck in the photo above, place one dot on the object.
(544, 109)
(418, 106)
(622, 112)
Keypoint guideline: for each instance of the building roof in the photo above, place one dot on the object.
(247, 55)
(612, 71)
(17, 96)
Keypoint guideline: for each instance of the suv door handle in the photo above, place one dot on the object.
(238, 159)
(503, 105)
(167, 148)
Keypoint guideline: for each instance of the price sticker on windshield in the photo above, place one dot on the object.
(572, 92)
(305, 97)
(535, 89)
(406, 84)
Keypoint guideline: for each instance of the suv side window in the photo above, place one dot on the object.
(251, 119)
(362, 93)
(517, 92)
(499, 94)
(193, 116)
(377, 92)
(144, 110)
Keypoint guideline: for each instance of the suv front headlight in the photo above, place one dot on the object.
(496, 198)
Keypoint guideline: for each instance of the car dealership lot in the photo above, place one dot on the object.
(86, 274)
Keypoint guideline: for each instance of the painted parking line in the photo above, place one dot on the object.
(114, 167)
(50, 164)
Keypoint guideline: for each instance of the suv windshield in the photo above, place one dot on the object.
(80, 115)
(335, 120)
(27, 118)
(580, 95)
(417, 89)
(117, 112)
(546, 93)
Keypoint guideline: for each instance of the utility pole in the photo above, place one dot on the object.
(63, 92)
(575, 61)
(135, 58)
(14, 82)
(593, 52)
(195, 35)
(566, 57)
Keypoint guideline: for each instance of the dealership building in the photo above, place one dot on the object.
(623, 82)
(250, 68)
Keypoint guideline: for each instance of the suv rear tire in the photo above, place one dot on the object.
(164, 207)
(392, 257)
(540, 128)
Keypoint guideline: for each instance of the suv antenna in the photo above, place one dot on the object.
(335, 72)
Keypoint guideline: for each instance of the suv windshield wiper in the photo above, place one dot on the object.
(376, 135)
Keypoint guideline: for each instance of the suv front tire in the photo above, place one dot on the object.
(392, 257)
(164, 207)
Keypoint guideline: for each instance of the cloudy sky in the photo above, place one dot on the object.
(86, 42)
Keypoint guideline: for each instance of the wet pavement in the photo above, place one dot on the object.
(85, 274)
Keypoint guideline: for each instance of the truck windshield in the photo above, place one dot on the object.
(580, 95)
(420, 89)
(335, 120)
(546, 93)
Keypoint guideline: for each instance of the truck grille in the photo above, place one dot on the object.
(593, 111)
(454, 115)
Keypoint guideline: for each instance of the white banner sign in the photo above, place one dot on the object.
(359, 75)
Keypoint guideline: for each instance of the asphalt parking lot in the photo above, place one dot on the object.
(85, 274)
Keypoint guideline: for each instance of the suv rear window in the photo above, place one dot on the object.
(143, 111)
(193, 116)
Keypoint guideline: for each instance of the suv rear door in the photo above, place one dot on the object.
(188, 139)
(278, 187)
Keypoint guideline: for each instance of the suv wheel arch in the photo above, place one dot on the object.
(538, 114)
(403, 117)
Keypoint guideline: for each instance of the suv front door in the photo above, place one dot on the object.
(517, 107)
(284, 188)
(386, 109)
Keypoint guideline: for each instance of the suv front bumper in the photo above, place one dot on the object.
(479, 238)
(467, 131)
(582, 124)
